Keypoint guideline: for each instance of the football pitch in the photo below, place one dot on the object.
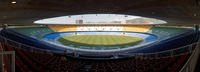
(99, 40)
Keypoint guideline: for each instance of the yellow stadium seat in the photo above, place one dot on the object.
(136, 29)
(63, 28)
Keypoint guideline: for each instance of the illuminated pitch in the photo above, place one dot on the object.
(92, 41)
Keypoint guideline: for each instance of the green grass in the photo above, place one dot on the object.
(99, 41)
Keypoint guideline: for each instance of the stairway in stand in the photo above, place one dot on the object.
(86, 67)
(197, 66)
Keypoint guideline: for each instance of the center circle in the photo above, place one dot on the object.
(121, 41)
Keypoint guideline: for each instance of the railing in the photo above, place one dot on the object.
(24, 46)
(191, 63)
(188, 67)
(167, 53)
(172, 52)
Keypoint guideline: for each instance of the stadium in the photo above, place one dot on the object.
(99, 36)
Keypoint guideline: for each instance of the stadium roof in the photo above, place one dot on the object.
(28, 11)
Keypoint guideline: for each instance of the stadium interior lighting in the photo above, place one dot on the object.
(13, 2)
(100, 19)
